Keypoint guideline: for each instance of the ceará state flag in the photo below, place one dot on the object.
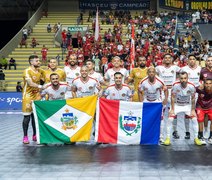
(122, 122)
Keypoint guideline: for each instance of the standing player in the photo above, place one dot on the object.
(118, 91)
(85, 85)
(150, 89)
(72, 71)
(193, 71)
(168, 73)
(53, 68)
(206, 73)
(203, 107)
(109, 75)
(183, 101)
(94, 74)
(55, 90)
(31, 91)
(136, 75)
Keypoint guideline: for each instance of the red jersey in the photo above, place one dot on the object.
(204, 100)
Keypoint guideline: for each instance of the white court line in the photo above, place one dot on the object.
(11, 112)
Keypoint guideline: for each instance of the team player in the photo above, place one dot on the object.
(31, 91)
(85, 85)
(118, 91)
(193, 71)
(95, 75)
(136, 75)
(55, 90)
(183, 101)
(72, 71)
(204, 107)
(109, 75)
(53, 68)
(150, 89)
(168, 73)
(206, 73)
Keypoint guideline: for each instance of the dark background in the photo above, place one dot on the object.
(9, 29)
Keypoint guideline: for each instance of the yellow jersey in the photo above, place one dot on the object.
(35, 76)
(137, 74)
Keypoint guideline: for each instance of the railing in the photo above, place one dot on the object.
(15, 41)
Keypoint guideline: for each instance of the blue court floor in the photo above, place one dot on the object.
(87, 161)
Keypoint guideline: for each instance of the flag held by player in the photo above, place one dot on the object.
(132, 48)
(116, 123)
(97, 26)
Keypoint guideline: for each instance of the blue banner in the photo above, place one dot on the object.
(114, 5)
(10, 101)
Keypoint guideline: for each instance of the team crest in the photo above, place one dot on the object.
(69, 121)
(205, 75)
(79, 88)
(130, 124)
(77, 74)
(90, 87)
(188, 92)
(62, 93)
(172, 71)
(123, 95)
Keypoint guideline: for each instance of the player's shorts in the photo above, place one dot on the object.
(27, 103)
(201, 114)
(186, 109)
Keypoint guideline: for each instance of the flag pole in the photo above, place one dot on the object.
(132, 48)
(97, 26)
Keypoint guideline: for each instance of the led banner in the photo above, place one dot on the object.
(186, 5)
(114, 5)
(10, 101)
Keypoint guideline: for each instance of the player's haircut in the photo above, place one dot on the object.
(31, 57)
(167, 54)
(207, 79)
(190, 55)
(73, 55)
(116, 57)
(183, 73)
(53, 74)
(143, 57)
(118, 73)
(52, 58)
(90, 60)
(84, 66)
(151, 67)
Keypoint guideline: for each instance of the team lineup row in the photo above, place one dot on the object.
(178, 96)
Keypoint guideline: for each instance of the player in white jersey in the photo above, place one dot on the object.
(168, 73)
(183, 101)
(55, 90)
(85, 85)
(149, 90)
(72, 71)
(95, 75)
(193, 71)
(109, 75)
(118, 91)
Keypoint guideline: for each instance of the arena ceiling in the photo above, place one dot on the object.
(17, 9)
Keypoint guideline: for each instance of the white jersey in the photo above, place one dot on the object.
(193, 74)
(87, 88)
(168, 74)
(183, 97)
(152, 91)
(56, 94)
(109, 75)
(71, 74)
(97, 76)
(123, 94)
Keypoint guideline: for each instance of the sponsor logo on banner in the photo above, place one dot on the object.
(10, 101)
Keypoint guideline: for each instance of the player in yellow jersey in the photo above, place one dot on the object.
(137, 74)
(32, 77)
(53, 68)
